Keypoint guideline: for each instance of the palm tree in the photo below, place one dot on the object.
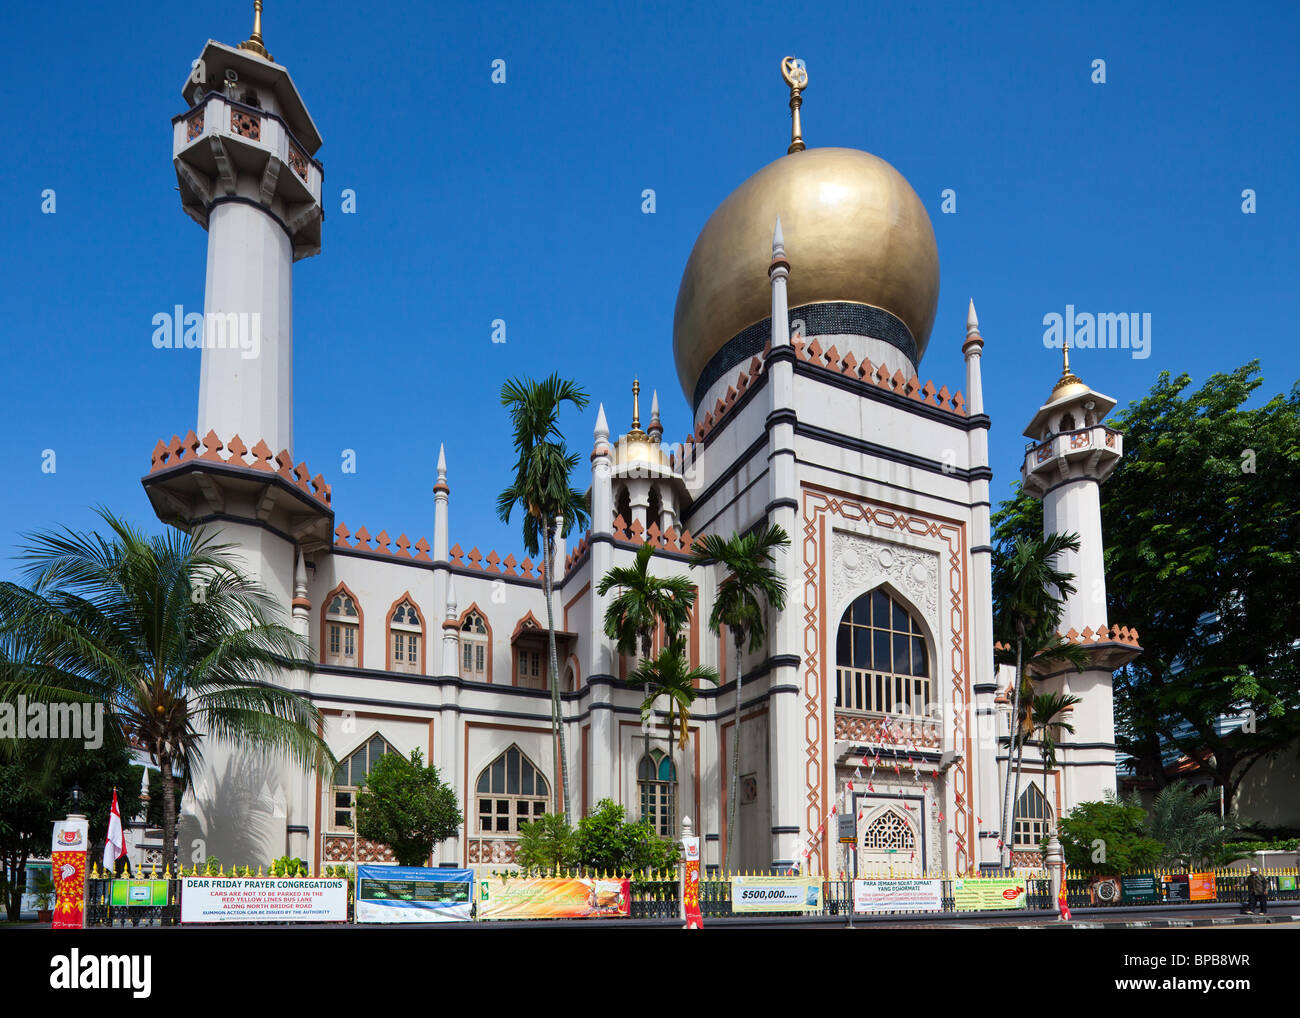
(543, 491)
(1029, 593)
(1048, 716)
(174, 641)
(643, 603)
(670, 674)
(751, 579)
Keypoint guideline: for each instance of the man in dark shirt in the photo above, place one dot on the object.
(1257, 889)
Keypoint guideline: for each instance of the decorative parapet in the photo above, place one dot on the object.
(402, 548)
(704, 425)
(192, 449)
(639, 534)
(916, 733)
(831, 360)
(383, 545)
(1104, 634)
(338, 848)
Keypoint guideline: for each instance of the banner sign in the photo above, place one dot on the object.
(68, 864)
(691, 889)
(413, 894)
(1176, 887)
(1286, 883)
(253, 900)
(554, 898)
(898, 895)
(138, 893)
(981, 894)
(776, 894)
(1201, 886)
(1139, 889)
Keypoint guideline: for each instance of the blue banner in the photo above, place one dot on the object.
(413, 894)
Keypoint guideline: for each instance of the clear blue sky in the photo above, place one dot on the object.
(522, 201)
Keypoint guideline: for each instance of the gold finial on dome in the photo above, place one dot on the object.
(254, 41)
(796, 76)
(1068, 379)
(636, 408)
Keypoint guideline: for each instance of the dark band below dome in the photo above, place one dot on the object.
(830, 318)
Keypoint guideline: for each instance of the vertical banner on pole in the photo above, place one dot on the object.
(68, 857)
(691, 888)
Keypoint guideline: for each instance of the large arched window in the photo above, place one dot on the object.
(882, 665)
(474, 647)
(350, 776)
(510, 792)
(656, 779)
(342, 629)
(1033, 818)
(405, 638)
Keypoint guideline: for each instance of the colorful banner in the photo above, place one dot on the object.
(775, 894)
(1286, 882)
(893, 895)
(981, 894)
(1176, 887)
(138, 893)
(554, 898)
(691, 884)
(68, 863)
(1139, 889)
(1201, 886)
(414, 894)
(254, 900)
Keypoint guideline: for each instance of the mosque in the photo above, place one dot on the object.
(873, 724)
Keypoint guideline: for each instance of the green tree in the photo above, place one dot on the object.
(406, 806)
(1029, 593)
(551, 505)
(643, 603)
(608, 843)
(1192, 835)
(750, 582)
(1202, 545)
(546, 844)
(1108, 838)
(1049, 715)
(169, 635)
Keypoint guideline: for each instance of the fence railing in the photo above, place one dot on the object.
(658, 895)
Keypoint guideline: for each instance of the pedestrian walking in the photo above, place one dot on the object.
(1257, 890)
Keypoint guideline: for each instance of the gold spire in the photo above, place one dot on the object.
(1067, 377)
(796, 76)
(254, 43)
(636, 408)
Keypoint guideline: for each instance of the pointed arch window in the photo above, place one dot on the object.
(890, 830)
(623, 505)
(474, 647)
(510, 792)
(350, 776)
(1033, 819)
(882, 661)
(657, 784)
(406, 636)
(342, 630)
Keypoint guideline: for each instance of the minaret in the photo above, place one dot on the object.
(1074, 454)
(984, 678)
(601, 662)
(785, 731)
(243, 153)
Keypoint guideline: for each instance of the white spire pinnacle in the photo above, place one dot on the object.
(602, 426)
(654, 405)
(442, 462)
(972, 320)
(778, 240)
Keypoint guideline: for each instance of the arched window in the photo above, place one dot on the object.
(342, 630)
(1033, 818)
(654, 511)
(656, 779)
(405, 636)
(890, 830)
(623, 505)
(474, 647)
(510, 792)
(882, 665)
(351, 775)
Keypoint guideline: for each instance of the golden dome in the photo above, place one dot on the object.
(855, 232)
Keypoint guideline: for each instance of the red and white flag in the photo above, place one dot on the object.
(115, 842)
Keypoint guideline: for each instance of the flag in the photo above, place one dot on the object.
(1065, 907)
(114, 842)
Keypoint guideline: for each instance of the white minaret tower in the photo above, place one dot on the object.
(243, 157)
(1073, 454)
